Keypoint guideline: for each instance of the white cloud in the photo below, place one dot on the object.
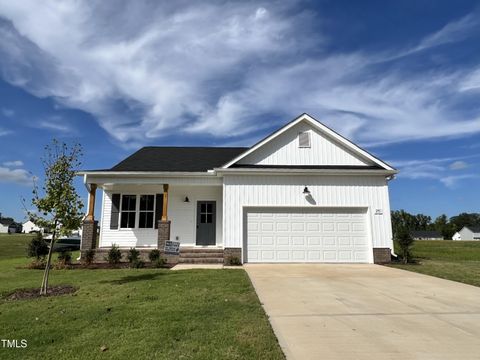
(7, 112)
(157, 68)
(452, 181)
(14, 163)
(54, 125)
(19, 176)
(458, 165)
(4, 132)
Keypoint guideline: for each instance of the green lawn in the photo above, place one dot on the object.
(453, 260)
(13, 245)
(136, 313)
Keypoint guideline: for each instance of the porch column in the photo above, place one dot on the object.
(165, 202)
(91, 202)
(89, 226)
(164, 223)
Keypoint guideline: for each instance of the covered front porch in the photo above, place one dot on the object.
(145, 214)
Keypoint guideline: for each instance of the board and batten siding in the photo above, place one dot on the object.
(241, 191)
(181, 214)
(285, 150)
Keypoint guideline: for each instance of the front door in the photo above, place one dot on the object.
(206, 219)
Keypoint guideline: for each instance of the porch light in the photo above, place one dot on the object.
(306, 192)
(187, 200)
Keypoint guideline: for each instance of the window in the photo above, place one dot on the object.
(206, 213)
(129, 207)
(304, 139)
(146, 214)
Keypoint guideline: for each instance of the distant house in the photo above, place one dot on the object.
(468, 233)
(426, 235)
(29, 226)
(4, 224)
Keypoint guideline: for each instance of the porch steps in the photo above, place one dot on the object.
(200, 256)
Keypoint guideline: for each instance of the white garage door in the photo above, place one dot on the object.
(307, 235)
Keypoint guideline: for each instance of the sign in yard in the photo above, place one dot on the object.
(172, 247)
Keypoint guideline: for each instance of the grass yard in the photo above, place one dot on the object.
(136, 313)
(13, 245)
(452, 260)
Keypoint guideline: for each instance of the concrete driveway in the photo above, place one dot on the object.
(367, 312)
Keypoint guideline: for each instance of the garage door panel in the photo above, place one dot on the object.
(307, 235)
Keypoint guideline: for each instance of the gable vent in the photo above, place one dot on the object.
(304, 139)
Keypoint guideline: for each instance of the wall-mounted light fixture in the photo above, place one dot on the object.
(306, 192)
(187, 200)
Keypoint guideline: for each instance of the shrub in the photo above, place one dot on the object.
(114, 255)
(37, 247)
(137, 264)
(89, 256)
(133, 255)
(64, 259)
(405, 242)
(37, 264)
(233, 261)
(154, 255)
(160, 262)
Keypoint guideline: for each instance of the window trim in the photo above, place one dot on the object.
(137, 211)
(146, 211)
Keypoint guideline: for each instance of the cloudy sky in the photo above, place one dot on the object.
(400, 78)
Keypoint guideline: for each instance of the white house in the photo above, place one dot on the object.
(302, 194)
(30, 226)
(4, 226)
(468, 233)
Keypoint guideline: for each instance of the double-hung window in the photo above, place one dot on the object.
(137, 211)
(129, 211)
(146, 212)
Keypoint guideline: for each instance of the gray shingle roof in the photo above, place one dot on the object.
(182, 159)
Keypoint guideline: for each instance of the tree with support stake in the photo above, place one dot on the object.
(58, 205)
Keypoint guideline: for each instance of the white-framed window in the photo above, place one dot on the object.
(128, 211)
(137, 211)
(146, 211)
(304, 139)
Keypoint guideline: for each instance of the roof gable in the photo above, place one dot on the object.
(328, 148)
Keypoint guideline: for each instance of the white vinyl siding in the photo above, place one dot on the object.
(242, 191)
(182, 215)
(285, 150)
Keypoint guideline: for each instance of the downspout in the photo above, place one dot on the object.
(389, 178)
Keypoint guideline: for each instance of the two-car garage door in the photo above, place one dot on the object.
(307, 235)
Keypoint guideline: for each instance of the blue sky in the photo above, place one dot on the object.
(400, 78)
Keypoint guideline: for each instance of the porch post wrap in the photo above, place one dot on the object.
(163, 234)
(89, 235)
(91, 202)
(165, 202)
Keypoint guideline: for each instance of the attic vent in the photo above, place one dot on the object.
(304, 139)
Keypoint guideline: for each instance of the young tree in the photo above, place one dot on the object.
(58, 204)
(405, 242)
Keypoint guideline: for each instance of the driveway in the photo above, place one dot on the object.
(367, 312)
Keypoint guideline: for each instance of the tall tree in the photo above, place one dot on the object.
(57, 202)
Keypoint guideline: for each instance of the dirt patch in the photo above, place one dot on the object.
(25, 294)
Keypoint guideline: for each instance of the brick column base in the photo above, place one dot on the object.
(163, 236)
(89, 235)
(230, 253)
(382, 255)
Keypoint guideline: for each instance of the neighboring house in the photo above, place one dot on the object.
(426, 235)
(468, 233)
(29, 226)
(302, 194)
(4, 224)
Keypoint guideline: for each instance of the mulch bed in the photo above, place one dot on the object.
(25, 294)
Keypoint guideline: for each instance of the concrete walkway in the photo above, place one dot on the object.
(322, 311)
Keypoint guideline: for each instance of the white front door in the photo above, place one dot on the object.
(307, 235)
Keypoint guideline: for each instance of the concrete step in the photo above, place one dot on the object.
(213, 260)
(201, 250)
(200, 255)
